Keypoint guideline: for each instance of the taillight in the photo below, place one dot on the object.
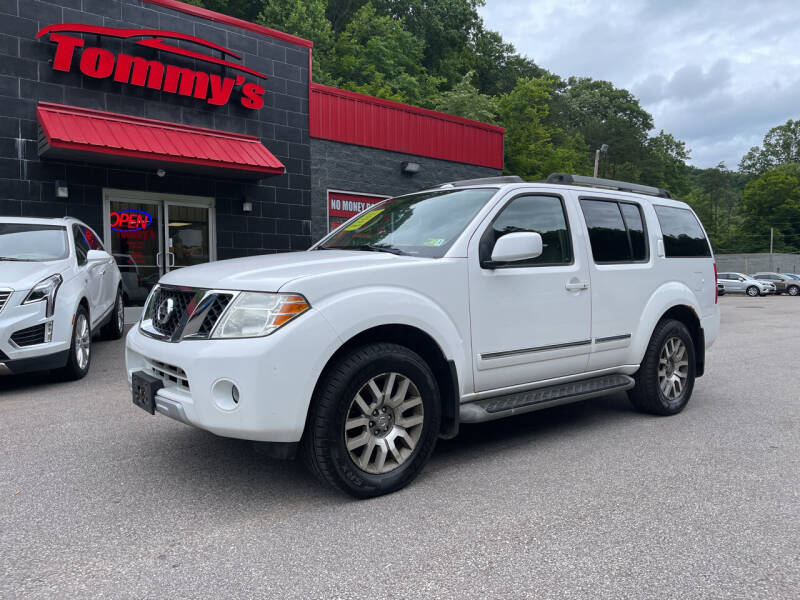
(716, 287)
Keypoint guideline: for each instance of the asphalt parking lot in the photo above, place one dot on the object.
(591, 500)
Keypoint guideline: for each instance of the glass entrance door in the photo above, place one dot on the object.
(188, 235)
(135, 242)
(152, 234)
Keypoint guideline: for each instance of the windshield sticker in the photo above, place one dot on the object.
(436, 242)
(361, 221)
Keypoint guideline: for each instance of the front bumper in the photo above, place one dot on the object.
(15, 317)
(274, 375)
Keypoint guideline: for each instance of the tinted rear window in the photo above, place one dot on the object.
(683, 236)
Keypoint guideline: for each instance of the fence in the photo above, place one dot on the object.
(757, 262)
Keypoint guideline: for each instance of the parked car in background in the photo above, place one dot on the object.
(720, 289)
(470, 302)
(57, 286)
(744, 284)
(792, 275)
(783, 283)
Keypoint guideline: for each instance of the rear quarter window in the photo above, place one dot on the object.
(683, 235)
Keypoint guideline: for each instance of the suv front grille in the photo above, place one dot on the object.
(218, 306)
(178, 313)
(4, 296)
(176, 318)
(29, 336)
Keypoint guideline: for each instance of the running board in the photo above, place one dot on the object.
(538, 399)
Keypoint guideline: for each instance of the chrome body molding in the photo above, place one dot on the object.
(612, 338)
(504, 353)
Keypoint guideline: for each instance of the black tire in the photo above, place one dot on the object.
(793, 290)
(115, 327)
(647, 395)
(74, 370)
(323, 445)
(752, 291)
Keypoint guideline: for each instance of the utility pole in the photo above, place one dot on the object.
(603, 148)
(771, 230)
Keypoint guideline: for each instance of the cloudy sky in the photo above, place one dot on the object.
(716, 74)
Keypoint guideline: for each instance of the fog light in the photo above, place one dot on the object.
(48, 332)
(225, 394)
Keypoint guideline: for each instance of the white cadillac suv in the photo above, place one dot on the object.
(468, 302)
(57, 286)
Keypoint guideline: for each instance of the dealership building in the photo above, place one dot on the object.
(183, 135)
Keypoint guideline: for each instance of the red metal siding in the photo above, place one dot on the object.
(351, 118)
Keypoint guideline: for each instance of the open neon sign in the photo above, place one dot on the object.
(130, 220)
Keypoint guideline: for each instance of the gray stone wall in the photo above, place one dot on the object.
(755, 263)
(336, 166)
(281, 216)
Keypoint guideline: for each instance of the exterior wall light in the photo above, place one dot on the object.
(62, 190)
(410, 167)
(161, 172)
(247, 206)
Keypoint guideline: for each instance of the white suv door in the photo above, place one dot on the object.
(530, 319)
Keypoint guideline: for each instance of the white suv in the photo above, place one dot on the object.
(57, 286)
(469, 302)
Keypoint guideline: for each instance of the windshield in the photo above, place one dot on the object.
(30, 242)
(424, 224)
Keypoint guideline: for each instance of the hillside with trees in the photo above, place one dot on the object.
(438, 54)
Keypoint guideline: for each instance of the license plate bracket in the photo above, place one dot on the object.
(143, 390)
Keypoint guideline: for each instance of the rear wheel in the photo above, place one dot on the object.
(666, 376)
(374, 421)
(80, 351)
(752, 291)
(793, 290)
(115, 327)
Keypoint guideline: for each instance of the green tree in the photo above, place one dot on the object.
(529, 148)
(375, 55)
(496, 64)
(773, 200)
(307, 19)
(665, 163)
(242, 9)
(466, 101)
(604, 114)
(781, 146)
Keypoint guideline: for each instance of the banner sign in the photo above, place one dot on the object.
(100, 63)
(343, 205)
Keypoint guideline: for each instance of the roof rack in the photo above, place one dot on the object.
(480, 181)
(622, 186)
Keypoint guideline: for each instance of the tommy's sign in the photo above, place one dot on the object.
(101, 63)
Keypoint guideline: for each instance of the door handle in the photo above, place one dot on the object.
(170, 259)
(573, 286)
(158, 259)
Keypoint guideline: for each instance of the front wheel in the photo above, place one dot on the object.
(665, 378)
(793, 290)
(80, 351)
(374, 421)
(752, 291)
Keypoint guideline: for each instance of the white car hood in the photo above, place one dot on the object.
(23, 275)
(270, 272)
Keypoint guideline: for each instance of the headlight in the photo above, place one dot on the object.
(256, 314)
(45, 290)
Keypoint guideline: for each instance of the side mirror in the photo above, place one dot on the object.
(519, 245)
(97, 255)
(741, 278)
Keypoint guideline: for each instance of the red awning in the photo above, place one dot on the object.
(97, 136)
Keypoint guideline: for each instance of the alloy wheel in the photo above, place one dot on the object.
(673, 368)
(83, 341)
(120, 313)
(384, 423)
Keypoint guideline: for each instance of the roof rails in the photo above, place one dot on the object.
(480, 181)
(622, 186)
